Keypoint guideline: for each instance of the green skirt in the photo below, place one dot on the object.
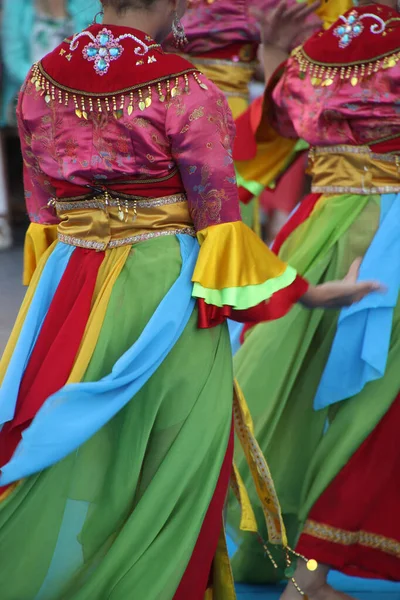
(119, 518)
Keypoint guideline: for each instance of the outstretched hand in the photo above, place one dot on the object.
(281, 26)
(338, 294)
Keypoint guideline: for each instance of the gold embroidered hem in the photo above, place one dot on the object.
(351, 538)
(353, 170)
(324, 74)
(133, 239)
(102, 203)
(117, 103)
(106, 221)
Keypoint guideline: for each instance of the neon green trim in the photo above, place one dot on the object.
(253, 187)
(242, 298)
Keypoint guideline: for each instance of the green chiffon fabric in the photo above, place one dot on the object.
(120, 517)
(279, 368)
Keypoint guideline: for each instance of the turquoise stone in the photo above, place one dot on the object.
(104, 39)
(102, 64)
(114, 52)
(91, 51)
(346, 39)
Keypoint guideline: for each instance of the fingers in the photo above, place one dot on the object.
(354, 270)
(300, 12)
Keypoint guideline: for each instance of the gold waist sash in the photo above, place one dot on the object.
(353, 170)
(106, 222)
(233, 78)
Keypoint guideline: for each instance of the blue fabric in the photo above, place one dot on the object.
(75, 413)
(361, 346)
(46, 288)
(17, 25)
(235, 331)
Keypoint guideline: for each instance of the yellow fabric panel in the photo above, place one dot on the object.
(272, 158)
(330, 11)
(23, 311)
(231, 255)
(259, 469)
(109, 271)
(248, 519)
(223, 585)
(38, 239)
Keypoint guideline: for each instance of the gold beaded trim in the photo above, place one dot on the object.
(346, 149)
(117, 103)
(127, 241)
(344, 537)
(101, 202)
(324, 74)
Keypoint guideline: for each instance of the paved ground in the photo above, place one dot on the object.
(11, 291)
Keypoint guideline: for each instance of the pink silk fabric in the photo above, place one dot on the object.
(222, 23)
(340, 113)
(193, 131)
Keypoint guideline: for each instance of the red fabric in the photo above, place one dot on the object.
(146, 188)
(245, 146)
(79, 76)
(302, 213)
(244, 195)
(289, 188)
(274, 308)
(366, 47)
(365, 496)
(245, 52)
(57, 345)
(196, 577)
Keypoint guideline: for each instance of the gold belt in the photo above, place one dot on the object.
(353, 170)
(105, 221)
(233, 78)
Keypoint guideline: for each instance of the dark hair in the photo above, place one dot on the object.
(122, 5)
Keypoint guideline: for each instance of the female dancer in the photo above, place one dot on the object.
(327, 414)
(223, 42)
(116, 397)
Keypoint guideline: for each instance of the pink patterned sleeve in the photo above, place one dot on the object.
(38, 190)
(201, 130)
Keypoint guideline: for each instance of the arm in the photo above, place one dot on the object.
(236, 276)
(38, 191)
(15, 47)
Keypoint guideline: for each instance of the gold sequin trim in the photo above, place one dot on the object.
(133, 239)
(120, 103)
(346, 149)
(99, 203)
(361, 191)
(325, 74)
(351, 538)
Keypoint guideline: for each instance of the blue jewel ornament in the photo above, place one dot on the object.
(92, 51)
(102, 64)
(114, 52)
(104, 39)
(341, 30)
(346, 39)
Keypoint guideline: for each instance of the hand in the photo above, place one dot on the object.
(338, 294)
(281, 26)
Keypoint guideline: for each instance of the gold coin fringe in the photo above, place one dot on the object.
(312, 565)
(325, 75)
(142, 97)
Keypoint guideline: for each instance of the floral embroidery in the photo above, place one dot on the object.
(198, 113)
(352, 27)
(104, 48)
